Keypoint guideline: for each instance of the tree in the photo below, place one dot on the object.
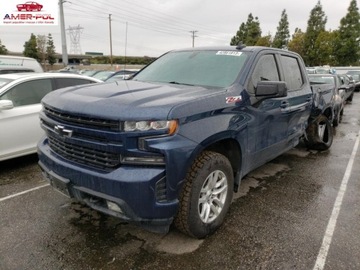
(41, 46)
(3, 49)
(30, 48)
(240, 35)
(282, 35)
(248, 32)
(347, 41)
(296, 44)
(264, 41)
(50, 50)
(316, 25)
(325, 45)
(253, 30)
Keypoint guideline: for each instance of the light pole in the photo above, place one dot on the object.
(193, 37)
(111, 62)
(63, 35)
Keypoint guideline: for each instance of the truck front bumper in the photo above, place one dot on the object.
(132, 193)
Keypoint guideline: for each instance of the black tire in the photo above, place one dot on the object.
(195, 217)
(350, 98)
(337, 119)
(319, 134)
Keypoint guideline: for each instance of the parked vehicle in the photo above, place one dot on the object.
(90, 72)
(123, 74)
(348, 83)
(173, 143)
(356, 76)
(103, 75)
(13, 64)
(339, 94)
(20, 96)
(69, 69)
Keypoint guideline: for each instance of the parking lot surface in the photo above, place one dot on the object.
(299, 211)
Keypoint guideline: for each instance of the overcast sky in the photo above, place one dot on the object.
(152, 27)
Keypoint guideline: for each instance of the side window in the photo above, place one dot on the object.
(265, 70)
(292, 70)
(28, 93)
(66, 82)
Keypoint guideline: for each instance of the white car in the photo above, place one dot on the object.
(20, 97)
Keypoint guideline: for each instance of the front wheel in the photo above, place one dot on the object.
(206, 195)
(319, 134)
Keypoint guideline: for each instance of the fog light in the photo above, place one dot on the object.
(113, 206)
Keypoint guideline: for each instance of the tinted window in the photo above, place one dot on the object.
(265, 70)
(28, 93)
(292, 72)
(66, 82)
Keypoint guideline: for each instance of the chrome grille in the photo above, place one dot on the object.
(84, 155)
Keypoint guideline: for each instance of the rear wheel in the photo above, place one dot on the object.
(319, 134)
(206, 195)
(337, 119)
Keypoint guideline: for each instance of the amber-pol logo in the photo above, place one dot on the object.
(29, 13)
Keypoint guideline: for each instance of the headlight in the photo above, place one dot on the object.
(170, 126)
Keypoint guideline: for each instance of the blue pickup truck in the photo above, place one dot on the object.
(172, 144)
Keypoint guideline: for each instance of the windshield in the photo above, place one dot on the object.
(205, 68)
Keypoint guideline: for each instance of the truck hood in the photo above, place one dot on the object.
(134, 100)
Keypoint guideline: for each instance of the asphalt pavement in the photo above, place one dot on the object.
(299, 211)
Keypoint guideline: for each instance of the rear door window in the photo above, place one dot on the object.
(293, 77)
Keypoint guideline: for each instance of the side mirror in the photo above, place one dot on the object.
(6, 105)
(269, 89)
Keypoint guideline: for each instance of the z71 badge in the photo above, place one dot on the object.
(233, 99)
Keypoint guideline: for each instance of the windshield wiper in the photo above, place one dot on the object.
(174, 82)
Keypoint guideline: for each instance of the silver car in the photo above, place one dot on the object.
(20, 96)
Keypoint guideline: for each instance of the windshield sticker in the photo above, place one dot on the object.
(231, 53)
(233, 99)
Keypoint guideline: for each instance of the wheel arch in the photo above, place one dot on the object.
(228, 147)
(329, 113)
